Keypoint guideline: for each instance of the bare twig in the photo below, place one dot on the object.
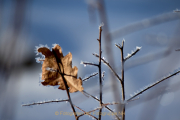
(152, 85)
(108, 48)
(132, 54)
(122, 73)
(109, 67)
(134, 99)
(90, 76)
(87, 63)
(44, 102)
(122, 69)
(100, 78)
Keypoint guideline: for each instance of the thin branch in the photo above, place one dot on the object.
(108, 49)
(65, 84)
(90, 76)
(100, 79)
(152, 85)
(40, 103)
(87, 63)
(105, 106)
(132, 54)
(109, 67)
(122, 73)
(134, 99)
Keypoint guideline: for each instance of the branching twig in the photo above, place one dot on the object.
(109, 67)
(99, 65)
(39, 103)
(152, 85)
(90, 76)
(122, 73)
(102, 103)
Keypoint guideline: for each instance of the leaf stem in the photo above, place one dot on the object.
(65, 83)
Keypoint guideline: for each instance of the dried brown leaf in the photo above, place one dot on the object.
(53, 77)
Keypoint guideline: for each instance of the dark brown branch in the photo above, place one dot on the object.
(100, 79)
(152, 86)
(122, 73)
(65, 83)
(122, 68)
(90, 76)
(40, 103)
(109, 67)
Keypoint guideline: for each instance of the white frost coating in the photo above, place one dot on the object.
(128, 55)
(40, 46)
(81, 62)
(102, 24)
(50, 69)
(36, 50)
(84, 65)
(53, 45)
(37, 59)
(123, 40)
(46, 46)
(138, 48)
(113, 102)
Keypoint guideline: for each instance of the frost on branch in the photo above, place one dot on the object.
(51, 64)
(132, 53)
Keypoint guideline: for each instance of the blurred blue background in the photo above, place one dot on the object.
(150, 24)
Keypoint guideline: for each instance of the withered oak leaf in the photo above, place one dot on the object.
(52, 75)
